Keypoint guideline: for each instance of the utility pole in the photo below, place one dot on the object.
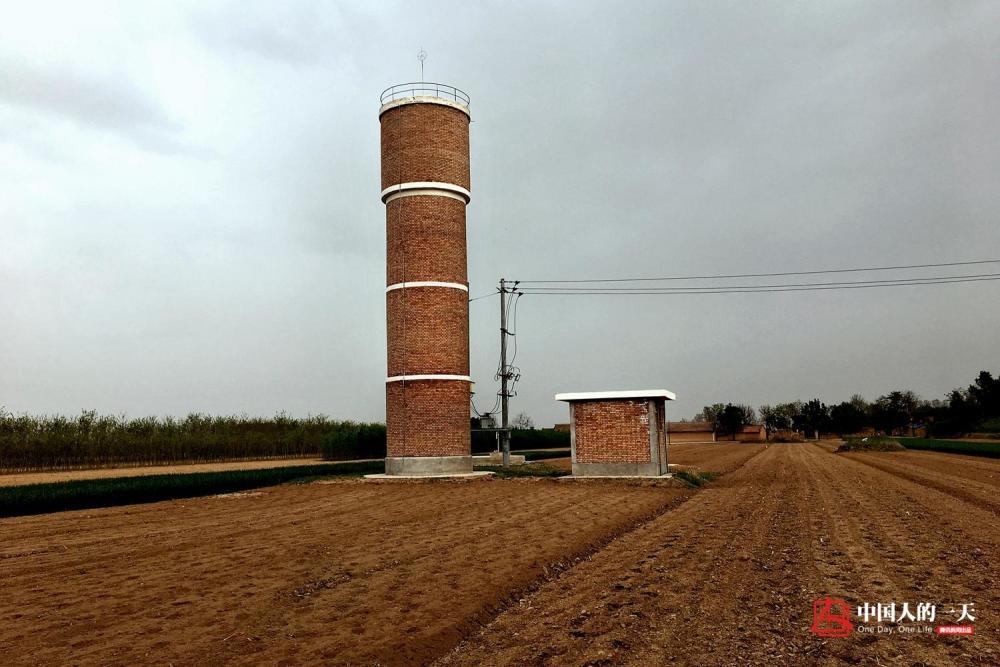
(504, 374)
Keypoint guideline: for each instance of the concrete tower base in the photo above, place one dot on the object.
(617, 469)
(413, 466)
(382, 477)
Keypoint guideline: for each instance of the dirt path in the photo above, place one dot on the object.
(713, 457)
(341, 573)
(18, 478)
(730, 576)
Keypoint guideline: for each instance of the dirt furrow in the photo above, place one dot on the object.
(342, 573)
(985, 495)
(792, 525)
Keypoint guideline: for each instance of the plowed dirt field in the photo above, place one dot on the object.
(524, 571)
(729, 576)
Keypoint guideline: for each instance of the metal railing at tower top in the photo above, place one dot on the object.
(424, 88)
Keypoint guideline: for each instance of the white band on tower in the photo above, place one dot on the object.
(401, 378)
(430, 188)
(426, 283)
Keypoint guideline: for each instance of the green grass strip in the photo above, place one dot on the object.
(972, 448)
(539, 455)
(694, 478)
(110, 492)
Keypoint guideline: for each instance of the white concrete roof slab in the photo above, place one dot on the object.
(611, 395)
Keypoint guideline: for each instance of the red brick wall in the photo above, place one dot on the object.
(430, 231)
(615, 431)
(425, 142)
(436, 335)
(434, 420)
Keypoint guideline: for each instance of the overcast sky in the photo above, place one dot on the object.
(190, 215)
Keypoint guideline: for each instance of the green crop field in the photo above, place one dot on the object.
(970, 447)
(91, 493)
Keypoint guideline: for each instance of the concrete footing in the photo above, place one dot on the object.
(383, 477)
(496, 459)
(616, 470)
(570, 478)
(428, 465)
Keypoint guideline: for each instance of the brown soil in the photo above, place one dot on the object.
(347, 573)
(705, 457)
(561, 573)
(714, 457)
(729, 577)
(18, 478)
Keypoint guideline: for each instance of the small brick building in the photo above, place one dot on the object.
(619, 433)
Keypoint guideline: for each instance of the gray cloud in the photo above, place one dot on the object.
(90, 100)
(302, 33)
(647, 139)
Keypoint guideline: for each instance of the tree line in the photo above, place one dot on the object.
(91, 440)
(975, 408)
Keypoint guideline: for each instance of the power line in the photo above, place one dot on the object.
(749, 289)
(476, 410)
(916, 280)
(765, 275)
(482, 297)
(514, 328)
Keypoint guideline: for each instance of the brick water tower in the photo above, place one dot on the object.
(425, 188)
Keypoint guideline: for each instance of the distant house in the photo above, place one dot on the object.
(561, 427)
(690, 432)
(703, 432)
(753, 433)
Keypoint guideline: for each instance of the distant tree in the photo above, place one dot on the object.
(769, 417)
(792, 413)
(780, 417)
(985, 393)
(814, 417)
(966, 409)
(710, 414)
(733, 418)
(929, 412)
(850, 416)
(523, 421)
(894, 411)
(859, 403)
(910, 402)
(960, 416)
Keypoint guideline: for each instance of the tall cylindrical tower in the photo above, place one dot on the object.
(425, 188)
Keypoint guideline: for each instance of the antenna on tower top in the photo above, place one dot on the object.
(421, 56)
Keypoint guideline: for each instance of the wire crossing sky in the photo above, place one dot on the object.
(763, 275)
(190, 214)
